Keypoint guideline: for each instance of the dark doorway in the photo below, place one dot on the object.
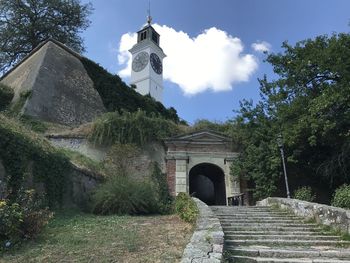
(207, 183)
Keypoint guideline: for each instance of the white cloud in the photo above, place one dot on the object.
(261, 46)
(213, 60)
(124, 56)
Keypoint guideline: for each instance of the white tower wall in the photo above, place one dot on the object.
(147, 81)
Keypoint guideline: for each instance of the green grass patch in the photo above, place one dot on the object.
(73, 236)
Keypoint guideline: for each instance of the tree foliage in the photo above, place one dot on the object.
(26, 23)
(309, 104)
(221, 127)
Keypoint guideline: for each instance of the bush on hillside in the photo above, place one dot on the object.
(304, 193)
(186, 208)
(341, 197)
(135, 128)
(122, 195)
(117, 96)
(165, 200)
(6, 96)
(23, 218)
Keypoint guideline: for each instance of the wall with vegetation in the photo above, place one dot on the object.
(31, 161)
(117, 96)
(337, 218)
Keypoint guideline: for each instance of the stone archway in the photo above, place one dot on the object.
(202, 160)
(207, 183)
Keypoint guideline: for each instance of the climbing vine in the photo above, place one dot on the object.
(137, 128)
(24, 152)
(117, 96)
(6, 95)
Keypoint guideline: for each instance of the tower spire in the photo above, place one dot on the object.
(149, 18)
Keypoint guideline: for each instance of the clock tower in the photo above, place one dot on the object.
(147, 63)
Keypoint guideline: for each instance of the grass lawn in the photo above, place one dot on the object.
(79, 237)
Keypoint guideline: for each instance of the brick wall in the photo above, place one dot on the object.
(171, 172)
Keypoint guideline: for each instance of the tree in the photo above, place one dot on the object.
(309, 104)
(26, 23)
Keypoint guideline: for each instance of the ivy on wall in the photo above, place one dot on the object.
(117, 96)
(137, 128)
(6, 96)
(21, 150)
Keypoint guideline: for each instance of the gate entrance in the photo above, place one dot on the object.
(207, 183)
(199, 163)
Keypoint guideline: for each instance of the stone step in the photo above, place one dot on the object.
(277, 242)
(261, 220)
(280, 236)
(274, 232)
(213, 207)
(271, 228)
(290, 252)
(253, 214)
(233, 217)
(262, 224)
(240, 259)
(266, 235)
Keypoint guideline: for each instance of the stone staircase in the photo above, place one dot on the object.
(262, 234)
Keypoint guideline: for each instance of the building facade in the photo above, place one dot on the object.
(199, 164)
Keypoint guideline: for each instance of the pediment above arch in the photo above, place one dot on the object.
(200, 136)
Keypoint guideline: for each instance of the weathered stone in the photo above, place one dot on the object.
(81, 183)
(80, 145)
(335, 217)
(61, 90)
(207, 241)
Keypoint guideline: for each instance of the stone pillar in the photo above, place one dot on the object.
(171, 175)
(181, 176)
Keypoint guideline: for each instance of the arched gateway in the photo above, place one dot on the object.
(199, 164)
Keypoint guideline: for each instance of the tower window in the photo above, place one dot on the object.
(143, 35)
(155, 37)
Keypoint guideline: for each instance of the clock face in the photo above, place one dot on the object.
(140, 61)
(156, 63)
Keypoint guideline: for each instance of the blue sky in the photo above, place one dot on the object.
(248, 21)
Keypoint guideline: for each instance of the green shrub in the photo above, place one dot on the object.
(34, 124)
(135, 128)
(186, 208)
(23, 218)
(304, 193)
(36, 214)
(122, 195)
(165, 200)
(11, 217)
(6, 96)
(341, 197)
